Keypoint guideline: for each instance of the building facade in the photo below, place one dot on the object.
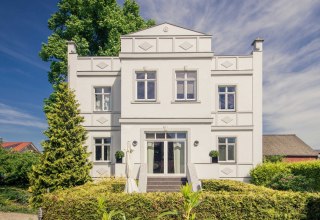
(173, 101)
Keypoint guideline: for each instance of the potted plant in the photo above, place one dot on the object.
(214, 156)
(119, 155)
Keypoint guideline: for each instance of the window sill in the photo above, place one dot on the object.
(227, 162)
(227, 110)
(145, 102)
(186, 102)
(102, 161)
(102, 112)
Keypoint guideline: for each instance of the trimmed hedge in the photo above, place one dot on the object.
(264, 174)
(231, 186)
(82, 203)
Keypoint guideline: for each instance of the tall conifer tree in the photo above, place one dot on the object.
(64, 162)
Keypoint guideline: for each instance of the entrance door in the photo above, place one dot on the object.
(167, 153)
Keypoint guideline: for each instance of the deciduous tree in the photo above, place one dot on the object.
(95, 26)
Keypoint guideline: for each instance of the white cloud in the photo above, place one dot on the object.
(12, 116)
(291, 57)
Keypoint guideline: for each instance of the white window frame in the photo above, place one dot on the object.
(226, 93)
(227, 144)
(185, 84)
(103, 94)
(146, 80)
(102, 149)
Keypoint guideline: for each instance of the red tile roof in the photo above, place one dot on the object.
(17, 146)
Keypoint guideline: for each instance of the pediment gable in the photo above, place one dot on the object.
(167, 29)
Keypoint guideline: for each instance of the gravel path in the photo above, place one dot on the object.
(16, 216)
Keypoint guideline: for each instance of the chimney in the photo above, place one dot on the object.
(257, 45)
(72, 49)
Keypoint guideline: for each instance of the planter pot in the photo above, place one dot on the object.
(214, 159)
(118, 160)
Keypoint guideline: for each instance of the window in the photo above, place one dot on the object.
(102, 149)
(227, 147)
(186, 85)
(146, 86)
(102, 98)
(227, 95)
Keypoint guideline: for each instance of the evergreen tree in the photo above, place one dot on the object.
(95, 26)
(64, 162)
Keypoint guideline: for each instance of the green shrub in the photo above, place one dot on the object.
(15, 166)
(287, 181)
(13, 199)
(230, 186)
(262, 174)
(273, 158)
(82, 203)
(265, 174)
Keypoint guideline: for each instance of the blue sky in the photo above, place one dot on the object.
(291, 30)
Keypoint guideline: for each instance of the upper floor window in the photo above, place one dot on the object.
(186, 85)
(146, 86)
(102, 149)
(102, 98)
(226, 146)
(227, 98)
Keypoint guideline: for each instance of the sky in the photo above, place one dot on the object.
(291, 81)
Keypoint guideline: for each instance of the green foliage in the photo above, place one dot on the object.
(15, 166)
(213, 153)
(191, 201)
(262, 174)
(273, 158)
(95, 26)
(13, 199)
(81, 203)
(64, 162)
(119, 154)
(266, 174)
(288, 181)
(231, 186)
(105, 215)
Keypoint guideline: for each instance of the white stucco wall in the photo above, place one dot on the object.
(166, 49)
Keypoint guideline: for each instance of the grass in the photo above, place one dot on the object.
(14, 199)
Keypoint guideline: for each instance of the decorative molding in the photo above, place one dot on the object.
(102, 171)
(227, 119)
(165, 29)
(102, 120)
(166, 55)
(226, 64)
(227, 170)
(145, 46)
(185, 45)
(102, 65)
(165, 120)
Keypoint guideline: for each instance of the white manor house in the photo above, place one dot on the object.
(173, 101)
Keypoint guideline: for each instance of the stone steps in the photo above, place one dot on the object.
(165, 184)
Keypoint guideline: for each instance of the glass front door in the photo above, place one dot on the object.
(166, 156)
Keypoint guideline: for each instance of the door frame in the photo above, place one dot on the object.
(165, 141)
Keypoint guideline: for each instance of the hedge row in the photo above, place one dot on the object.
(264, 174)
(82, 203)
(231, 186)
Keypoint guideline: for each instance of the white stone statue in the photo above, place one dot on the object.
(131, 185)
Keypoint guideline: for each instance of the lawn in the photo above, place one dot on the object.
(14, 199)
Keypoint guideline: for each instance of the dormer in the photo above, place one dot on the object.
(165, 38)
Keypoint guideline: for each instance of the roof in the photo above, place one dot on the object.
(166, 29)
(287, 145)
(19, 146)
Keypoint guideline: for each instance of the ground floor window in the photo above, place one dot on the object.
(102, 149)
(227, 146)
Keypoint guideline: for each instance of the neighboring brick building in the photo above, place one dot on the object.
(20, 146)
(290, 146)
